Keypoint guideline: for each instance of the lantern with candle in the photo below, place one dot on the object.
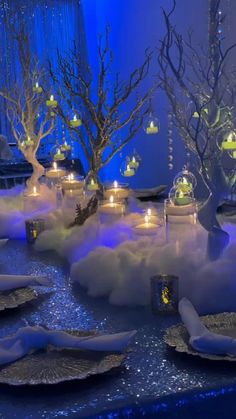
(51, 103)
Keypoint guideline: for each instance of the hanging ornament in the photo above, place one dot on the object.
(65, 147)
(151, 124)
(134, 160)
(51, 103)
(126, 170)
(229, 141)
(177, 196)
(170, 140)
(57, 154)
(185, 181)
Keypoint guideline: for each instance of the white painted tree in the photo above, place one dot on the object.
(201, 87)
(24, 101)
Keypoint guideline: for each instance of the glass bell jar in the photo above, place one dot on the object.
(185, 180)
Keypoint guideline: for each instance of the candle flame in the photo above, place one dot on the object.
(152, 125)
(65, 143)
(37, 84)
(111, 199)
(181, 194)
(92, 182)
(34, 190)
(52, 98)
(115, 184)
(149, 212)
(146, 218)
(54, 165)
(185, 181)
(28, 138)
(128, 167)
(74, 118)
(133, 159)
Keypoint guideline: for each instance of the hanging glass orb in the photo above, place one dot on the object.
(75, 118)
(51, 102)
(170, 166)
(170, 158)
(126, 170)
(177, 196)
(151, 125)
(37, 88)
(134, 160)
(229, 141)
(185, 180)
(27, 141)
(57, 154)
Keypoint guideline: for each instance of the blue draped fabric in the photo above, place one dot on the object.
(51, 24)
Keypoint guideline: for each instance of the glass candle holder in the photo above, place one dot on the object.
(111, 210)
(31, 200)
(180, 213)
(147, 226)
(33, 228)
(119, 191)
(164, 294)
(72, 182)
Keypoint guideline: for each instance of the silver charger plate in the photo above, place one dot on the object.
(17, 297)
(54, 366)
(177, 337)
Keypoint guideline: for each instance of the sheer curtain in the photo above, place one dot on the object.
(51, 24)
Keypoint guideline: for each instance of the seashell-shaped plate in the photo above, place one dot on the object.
(17, 297)
(224, 324)
(54, 366)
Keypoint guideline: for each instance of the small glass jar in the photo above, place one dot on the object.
(33, 228)
(164, 294)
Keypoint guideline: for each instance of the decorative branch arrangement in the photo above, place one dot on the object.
(113, 110)
(24, 103)
(82, 214)
(201, 88)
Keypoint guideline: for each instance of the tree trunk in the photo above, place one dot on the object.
(218, 239)
(38, 171)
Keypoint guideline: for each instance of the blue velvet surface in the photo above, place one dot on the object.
(155, 381)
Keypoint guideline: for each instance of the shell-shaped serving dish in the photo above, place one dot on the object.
(54, 366)
(17, 297)
(177, 337)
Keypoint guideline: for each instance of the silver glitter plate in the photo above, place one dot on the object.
(17, 297)
(224, 323)
(54, 366)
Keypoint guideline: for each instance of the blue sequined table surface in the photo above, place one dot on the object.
(154, 379)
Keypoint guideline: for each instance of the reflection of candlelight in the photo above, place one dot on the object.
(75, 122)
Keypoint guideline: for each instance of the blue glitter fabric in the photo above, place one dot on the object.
(155, 380)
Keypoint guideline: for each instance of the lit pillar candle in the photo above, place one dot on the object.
(152, 129)
(111, 207)
(117, 191)
(147, 227)
(55, 172)
(70, 183)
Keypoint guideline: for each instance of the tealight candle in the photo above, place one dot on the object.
(146, 228)
(59, 155)
(184, 185)
(182, 199)
(51, 102)
(75, 122)
(133, 164)
(129, 171)
(93, 186)
(117, 191)
(70, 183)
(112, 208)
(37, 88)
(152, 216)
(152, 129)
(55, 172)
(230, 142)
(65, 147)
